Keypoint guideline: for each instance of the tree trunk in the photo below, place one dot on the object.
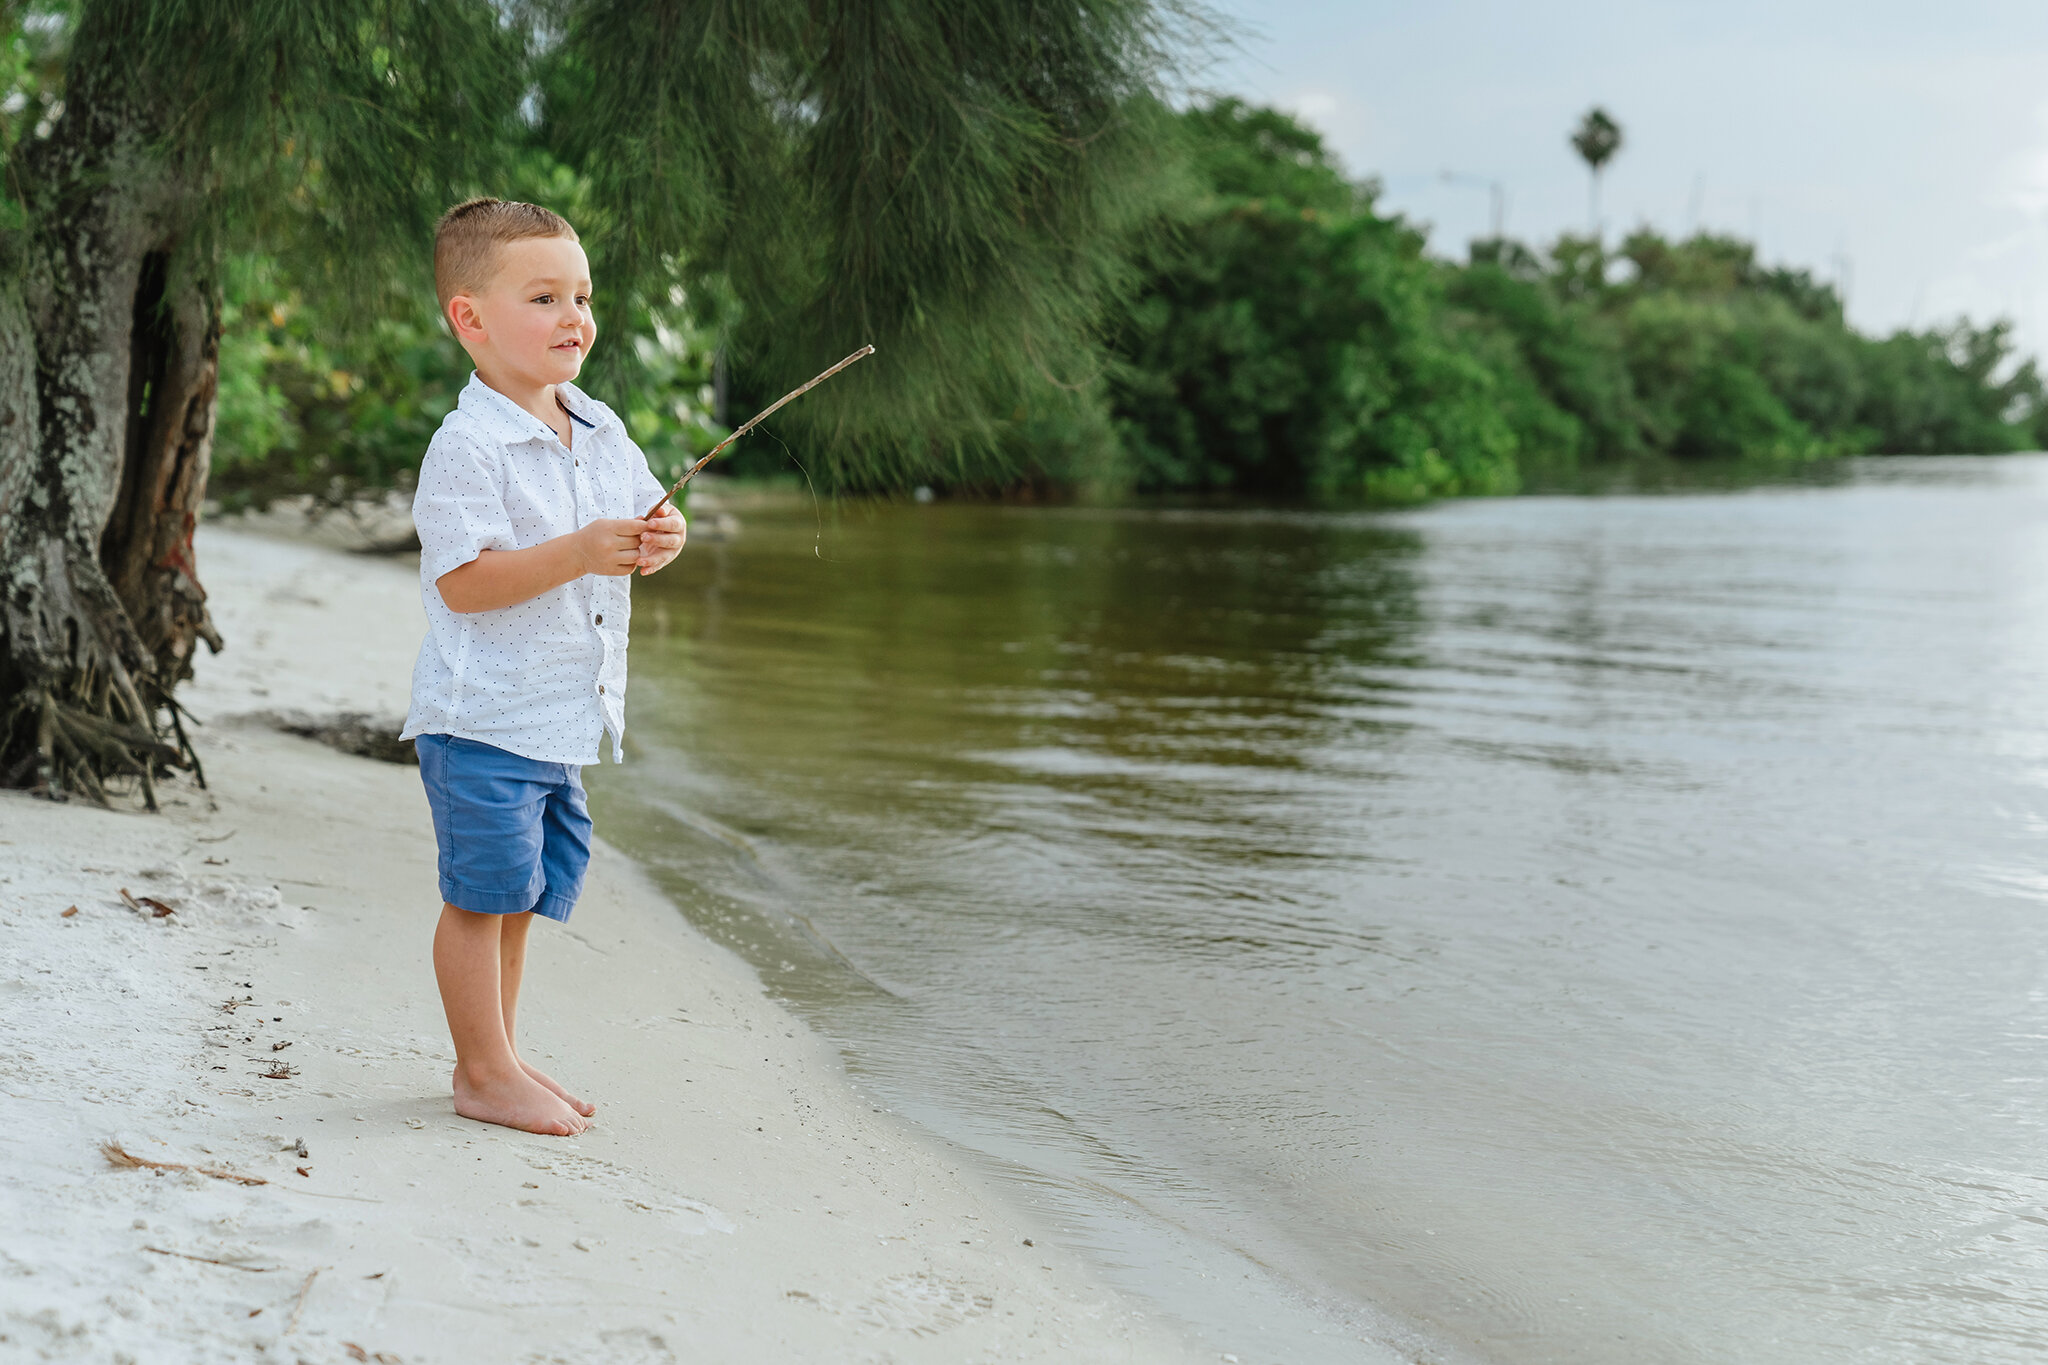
(108, 360)
(174, 373)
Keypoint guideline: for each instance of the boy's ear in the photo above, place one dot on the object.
(463, 319)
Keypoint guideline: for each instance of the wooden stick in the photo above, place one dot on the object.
(755, 421)
(114, 1153)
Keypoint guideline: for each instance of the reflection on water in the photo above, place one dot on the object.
(1574, 930)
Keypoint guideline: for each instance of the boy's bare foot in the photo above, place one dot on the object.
(516, 1101)
(551, 1083)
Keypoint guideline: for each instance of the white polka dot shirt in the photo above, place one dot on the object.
(545, 679)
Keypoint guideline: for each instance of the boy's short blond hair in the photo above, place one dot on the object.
(468, 237)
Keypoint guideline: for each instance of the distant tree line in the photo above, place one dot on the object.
(1273, 334)
(1290, 338)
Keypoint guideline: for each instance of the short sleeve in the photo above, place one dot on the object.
(647, 490)
(459, 506)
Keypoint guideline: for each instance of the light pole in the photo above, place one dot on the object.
(1496, 192)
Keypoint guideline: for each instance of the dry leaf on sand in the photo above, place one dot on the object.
(156, 908)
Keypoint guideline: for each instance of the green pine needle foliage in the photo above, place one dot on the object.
(957, 184)
(327, 132)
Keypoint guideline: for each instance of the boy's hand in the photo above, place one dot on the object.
(610, 547)
(662, 540)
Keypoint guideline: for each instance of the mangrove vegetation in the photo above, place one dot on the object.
(1083, 277)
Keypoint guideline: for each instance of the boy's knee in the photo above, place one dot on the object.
(469, 921)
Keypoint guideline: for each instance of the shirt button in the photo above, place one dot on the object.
(600, 618)
(600, 687)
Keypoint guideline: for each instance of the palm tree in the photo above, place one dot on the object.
(1597, 139)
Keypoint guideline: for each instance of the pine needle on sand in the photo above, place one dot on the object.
(231, 1265)
(300, 1306)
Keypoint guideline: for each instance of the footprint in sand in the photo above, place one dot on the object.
(922, 1304)
(635, 1347)
(636, 1191)
(628, 1346)
(919, 1303)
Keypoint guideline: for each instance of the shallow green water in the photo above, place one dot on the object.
(1552, 929)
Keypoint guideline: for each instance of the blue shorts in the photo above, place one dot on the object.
(514, 833)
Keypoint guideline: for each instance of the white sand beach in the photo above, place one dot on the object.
(737, 1200)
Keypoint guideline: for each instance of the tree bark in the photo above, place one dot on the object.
(108, 366)
(173, 377)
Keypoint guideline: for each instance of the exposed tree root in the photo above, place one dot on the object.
(85, 715)
(78, 751)
(88, 744)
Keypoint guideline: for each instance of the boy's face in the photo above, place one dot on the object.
(531, 323)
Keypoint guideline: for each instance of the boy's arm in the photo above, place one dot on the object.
(505, 578)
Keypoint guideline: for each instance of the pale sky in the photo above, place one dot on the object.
(1904, 145)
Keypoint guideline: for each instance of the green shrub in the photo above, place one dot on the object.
(1288, 339)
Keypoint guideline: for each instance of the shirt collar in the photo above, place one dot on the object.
(594, 416)
(589, 414)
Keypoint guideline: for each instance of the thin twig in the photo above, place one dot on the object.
(300, 1306)
(114, 1153)
(755, 421)
(186, 1255)
(326, 1194)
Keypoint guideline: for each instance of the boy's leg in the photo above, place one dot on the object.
(487, 804)
(511, 970)
(490, 1084)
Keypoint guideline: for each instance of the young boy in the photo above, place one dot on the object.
(530, 513)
